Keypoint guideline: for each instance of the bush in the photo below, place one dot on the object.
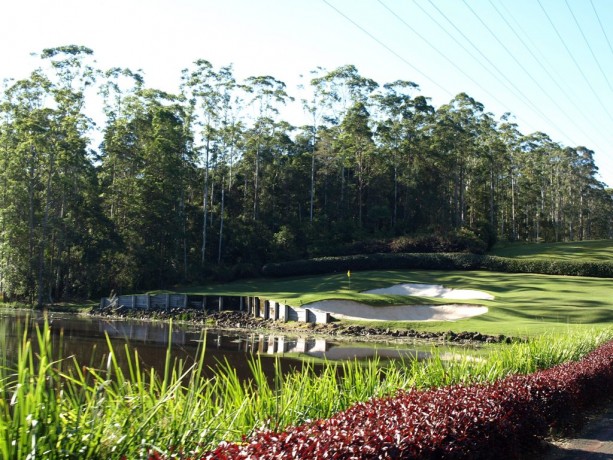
(462, 240)
(323, 265)
(548, 267)
(504, 419)
(437, 261)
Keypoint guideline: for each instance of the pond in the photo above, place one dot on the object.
(85, 338)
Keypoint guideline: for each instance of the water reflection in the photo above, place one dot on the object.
(85, 339)
(220, 342)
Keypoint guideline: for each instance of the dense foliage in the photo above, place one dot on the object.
(438, 261)
(216, 181)
(504, 419)
(53, 406)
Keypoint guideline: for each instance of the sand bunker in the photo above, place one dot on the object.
(355, 310)
(348, 309)
(431, 290)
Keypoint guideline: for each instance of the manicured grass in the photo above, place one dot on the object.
(525, 304)
(577, 250)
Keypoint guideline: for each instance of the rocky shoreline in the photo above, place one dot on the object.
(235, 320)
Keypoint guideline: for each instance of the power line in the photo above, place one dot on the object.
(602, 27)
(518, 93)
(588, 45)
(519, 64)
(444, 56)
(575, 61)
(386, 47)
(499, 76)
(513, 88)
(532, 48)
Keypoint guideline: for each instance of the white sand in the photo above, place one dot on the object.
(355, 310)
(431, 290)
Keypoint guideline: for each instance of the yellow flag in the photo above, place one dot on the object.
(349, 274)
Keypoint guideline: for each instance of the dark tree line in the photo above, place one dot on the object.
(213, 181)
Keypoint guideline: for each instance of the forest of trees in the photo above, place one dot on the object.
(214, 181)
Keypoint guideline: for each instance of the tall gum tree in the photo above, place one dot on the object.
(209, 93)
(51, 172)
(265, 95)
(338, 91)
(399, 131)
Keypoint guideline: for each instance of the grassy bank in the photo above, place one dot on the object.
(524, 304)
(56, 408)
(596, 250)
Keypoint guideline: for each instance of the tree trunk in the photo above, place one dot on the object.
(221, 218)
(205, 203)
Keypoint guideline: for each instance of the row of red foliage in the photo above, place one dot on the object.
(504, 419)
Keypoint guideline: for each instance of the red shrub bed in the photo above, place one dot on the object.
(505, 419)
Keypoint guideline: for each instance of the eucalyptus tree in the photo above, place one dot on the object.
(209, 93)
(400, 129)
(25, 160)
(355, 141)
(72, 210)
(509, 136)
(584, 191)
(539, 155)
(454, 140)
(146, 159)
(265, 95)
(340, 91)
(313, 105)
(52, 177)
(486, 175)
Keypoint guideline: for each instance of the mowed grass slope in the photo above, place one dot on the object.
(524, 304)
(599, 250)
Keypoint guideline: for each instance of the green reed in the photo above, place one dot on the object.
(54, 407)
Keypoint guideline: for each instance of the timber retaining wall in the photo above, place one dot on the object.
(255, 306)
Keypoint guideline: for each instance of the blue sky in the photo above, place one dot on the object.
(548, 62)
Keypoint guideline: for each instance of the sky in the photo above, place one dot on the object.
(547, 62)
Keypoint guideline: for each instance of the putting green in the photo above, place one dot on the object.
(524, 304)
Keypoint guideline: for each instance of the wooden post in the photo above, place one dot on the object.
(148, 301)
(184, 300)
(133, 302)
(276, 307)
(256, 307)
(240, 304)
(266, 309)
(167, 301)
(285, 313)
(220, 306)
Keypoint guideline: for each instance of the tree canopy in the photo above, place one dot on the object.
(213, 181)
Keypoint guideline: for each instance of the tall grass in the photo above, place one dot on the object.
(54, 407)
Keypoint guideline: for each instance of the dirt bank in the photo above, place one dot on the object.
(241, 321)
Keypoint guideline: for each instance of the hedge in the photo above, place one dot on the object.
(437, 261)
(505, 419)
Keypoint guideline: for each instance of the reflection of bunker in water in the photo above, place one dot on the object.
(326, 349)
(274, 344)
(262, 344)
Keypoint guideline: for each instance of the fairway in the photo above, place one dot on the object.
(524, 304)
(576, 250)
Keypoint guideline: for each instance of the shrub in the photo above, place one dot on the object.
(548, 267)
(437, 261)
(504, 419)
(452, 261)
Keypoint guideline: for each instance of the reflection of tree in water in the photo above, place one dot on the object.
(85, 339)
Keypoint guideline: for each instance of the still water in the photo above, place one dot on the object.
(85, 338)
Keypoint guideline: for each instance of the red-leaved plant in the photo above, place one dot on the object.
(504, 419)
